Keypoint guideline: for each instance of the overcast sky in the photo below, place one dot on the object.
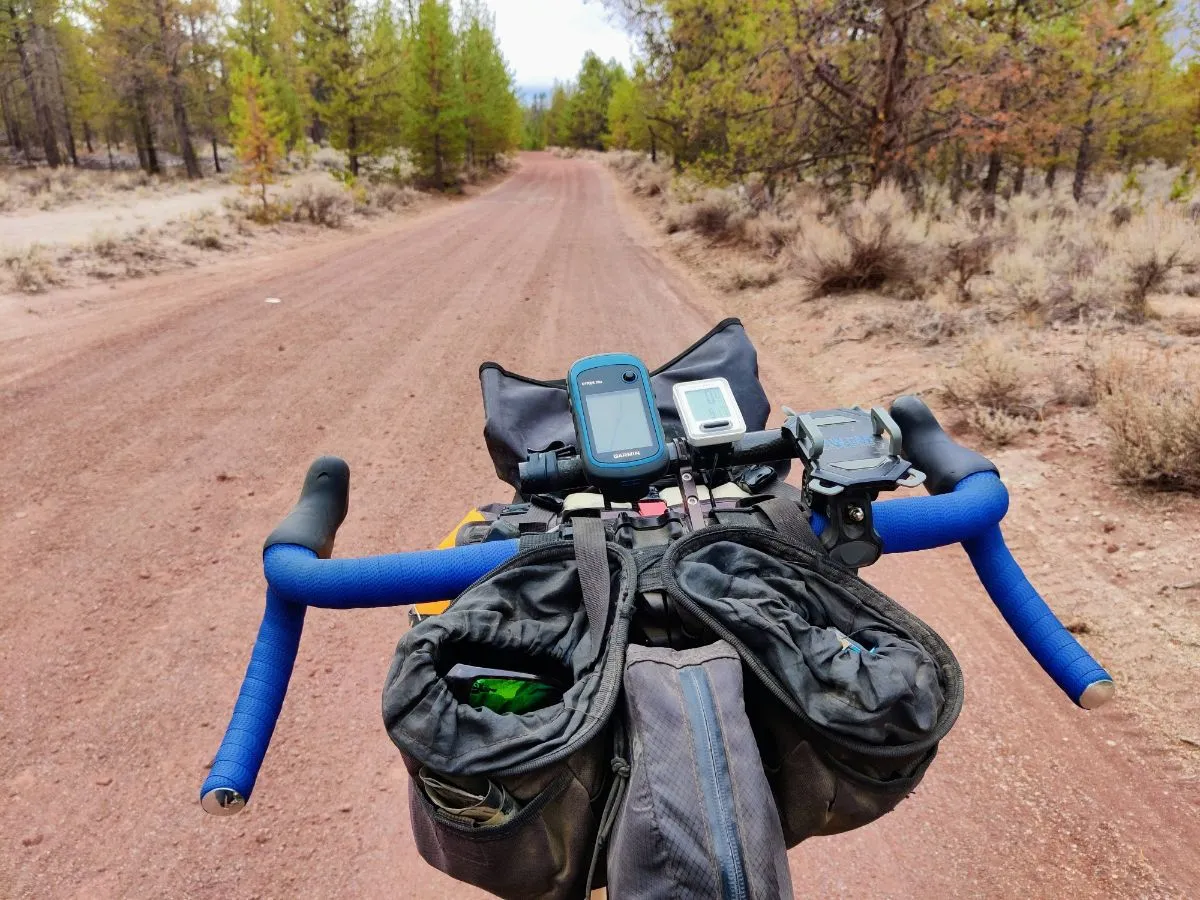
(546, 39)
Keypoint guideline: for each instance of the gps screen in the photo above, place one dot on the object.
(617, 421)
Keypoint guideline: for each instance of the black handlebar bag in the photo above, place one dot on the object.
(523, 415)
(848, 692)
(509, 802)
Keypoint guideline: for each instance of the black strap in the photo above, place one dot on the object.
(591, 558)
(786, 518)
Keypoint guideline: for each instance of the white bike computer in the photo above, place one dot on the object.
(709, 412)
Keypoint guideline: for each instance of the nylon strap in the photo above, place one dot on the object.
(591, 558)
(786, 518)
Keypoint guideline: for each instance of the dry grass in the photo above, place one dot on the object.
(1151, 408)
(992, 375)
(205, 230)
(32, 270)
(745, 275)
(317, 199)
(995, 426)
(871, 244)
(45, 189)
(391, 197)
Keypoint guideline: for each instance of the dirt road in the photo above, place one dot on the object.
(152, 436)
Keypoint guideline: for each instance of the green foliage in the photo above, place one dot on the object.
(858, 93)
(434, 103)
(492, 115)
(257, 124)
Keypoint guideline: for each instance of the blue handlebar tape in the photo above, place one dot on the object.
(922, 523)
(235, 767)
(297, 578)
(393, 580)
(1082, 678)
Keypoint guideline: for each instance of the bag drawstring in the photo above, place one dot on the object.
(608, 818)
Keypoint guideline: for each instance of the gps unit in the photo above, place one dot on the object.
(621, 439)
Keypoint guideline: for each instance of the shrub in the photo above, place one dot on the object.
(752, 275)
(871, 244)
(390, 196)
(319, 200)
(1152, 413)
(769, 233)
(993, 376)
(1150, 249)
(995, 426)
(32, 269)
(966, 254)
(204, 230)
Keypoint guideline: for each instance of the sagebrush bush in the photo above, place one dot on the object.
(751, 275)
(32, 269)
(997, 427)
(868, 245)
(390, 196)
(205, 231)
(319, 200)
(1151, 408)
(717, 215)
(992, 375)
(769, 233)
(1150, 248)
(965, 251)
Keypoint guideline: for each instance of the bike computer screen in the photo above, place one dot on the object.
(709, 412)
(616, 422)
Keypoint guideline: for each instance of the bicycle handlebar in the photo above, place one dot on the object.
(966, 504)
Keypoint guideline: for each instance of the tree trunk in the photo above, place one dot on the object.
(12, 128)
(887, 137)
(216, 156)
(1052, 169)
(66, 109)
(1083, 160)
(147, 155)
(956, 174)
(175, 84)
(439, 173)
(991, 181)
(112, 163)
(1019, 179)
(87, 136)
(653, 146)
(41, 110)
(352, 146)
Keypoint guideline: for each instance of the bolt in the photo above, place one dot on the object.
(691, 501)
(855, 513)
(687, 476)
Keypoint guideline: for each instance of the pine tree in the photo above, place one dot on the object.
(490, 107)
(434, 128)
(258, 125)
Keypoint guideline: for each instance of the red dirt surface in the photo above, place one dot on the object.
(153, 434)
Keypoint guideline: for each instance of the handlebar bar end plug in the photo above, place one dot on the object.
(222, 801)
(1097, 694)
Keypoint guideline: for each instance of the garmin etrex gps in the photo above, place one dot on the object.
(621, 439)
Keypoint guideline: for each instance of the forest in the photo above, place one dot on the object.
(102, 82)
(973, 94)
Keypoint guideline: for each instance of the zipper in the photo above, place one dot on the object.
(716, 784)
